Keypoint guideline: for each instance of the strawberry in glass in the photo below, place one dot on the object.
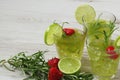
(71, 43)
(103, 55)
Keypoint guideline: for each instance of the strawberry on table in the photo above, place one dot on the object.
(53, 62)
(54, 74)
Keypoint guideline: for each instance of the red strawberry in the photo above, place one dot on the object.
(69, 31)
(54, 74)
(53, 62)
(111, 52)
(110, 49)
(114, 56)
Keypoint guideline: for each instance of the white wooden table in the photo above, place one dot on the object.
(23, 22)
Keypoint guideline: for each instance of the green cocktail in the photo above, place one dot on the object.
(71, 45)
(69, 42)
(104, 66)
(103, 54)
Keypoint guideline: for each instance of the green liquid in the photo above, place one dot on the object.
(71, 46)
(96, 29)
(102, 65)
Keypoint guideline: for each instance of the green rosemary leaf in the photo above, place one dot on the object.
(33, 65)
(36, 68)
(78, 76)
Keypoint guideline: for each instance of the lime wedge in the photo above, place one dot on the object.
(52, 31)
(117, 42)
(69, 65)
(85, 12)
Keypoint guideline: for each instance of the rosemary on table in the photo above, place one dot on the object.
(34, 65)
(37, 68)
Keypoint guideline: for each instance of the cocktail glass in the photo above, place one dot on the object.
(104, 66)
(71, 46)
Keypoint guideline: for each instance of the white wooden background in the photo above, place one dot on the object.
(23, 22)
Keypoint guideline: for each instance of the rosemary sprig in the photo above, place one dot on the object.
(78, 76)
(37, 68)
(34, 65)
(107, 35)
(85, 25)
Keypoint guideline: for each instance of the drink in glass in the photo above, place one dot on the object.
(103, 54)
(69, 41)
(70, 45)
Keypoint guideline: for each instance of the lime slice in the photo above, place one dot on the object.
(52, 31)
(69, 65)
(85, 12)
(117, 42)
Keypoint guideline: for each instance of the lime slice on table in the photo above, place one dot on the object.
(69, 65)
(52, 31)
(117, 42)
(85, 12)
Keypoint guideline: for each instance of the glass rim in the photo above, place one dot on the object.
(106, 14)
(108, 53)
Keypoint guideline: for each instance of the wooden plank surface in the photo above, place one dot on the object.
(23, 23)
